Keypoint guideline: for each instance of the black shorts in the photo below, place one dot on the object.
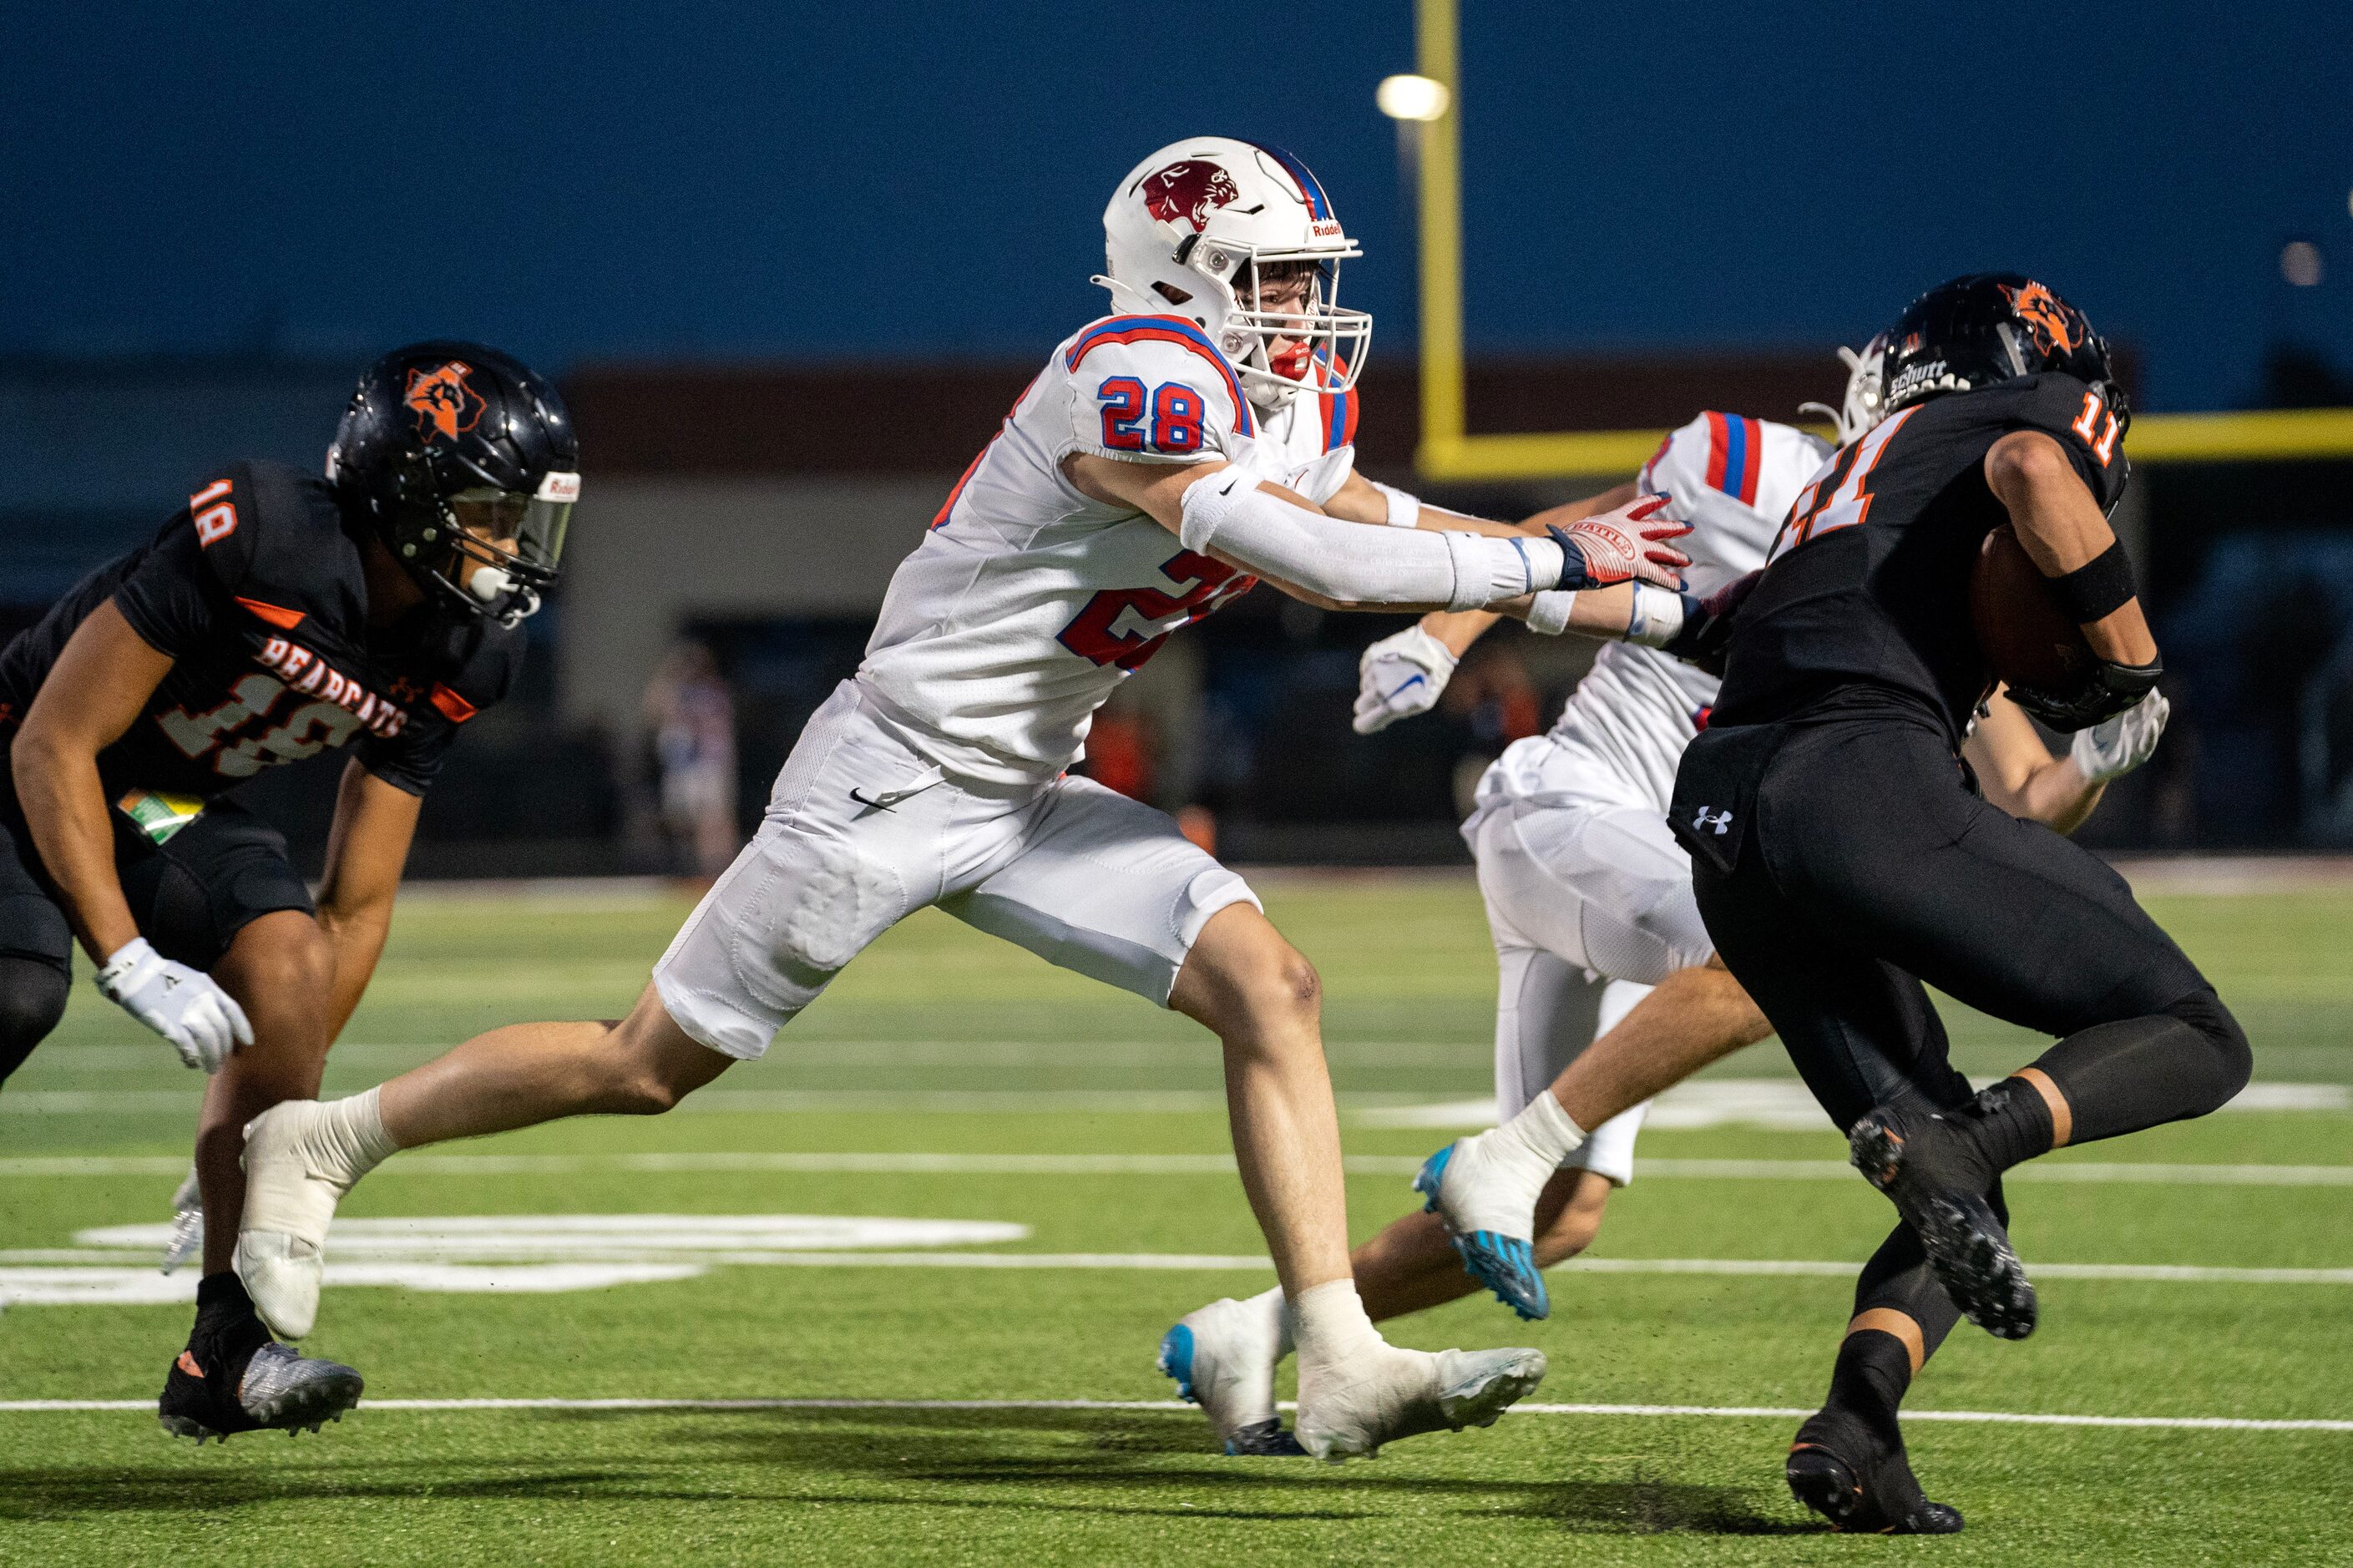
(1839, 865)
(190, 895)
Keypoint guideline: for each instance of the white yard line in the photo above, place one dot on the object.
(1734, 1412)
(54, 1258)
(927, 1163)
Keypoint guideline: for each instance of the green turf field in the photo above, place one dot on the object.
(927, 1087)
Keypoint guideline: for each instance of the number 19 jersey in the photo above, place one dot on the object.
(1028, 601)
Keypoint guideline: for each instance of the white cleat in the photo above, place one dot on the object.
(1387, 1393)
(1488, 1205)
(1222, 1357)
(295, 1173)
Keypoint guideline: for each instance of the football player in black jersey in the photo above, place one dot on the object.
(1841, 855)
(277, 613)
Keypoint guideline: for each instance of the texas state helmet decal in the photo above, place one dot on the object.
(445, 405)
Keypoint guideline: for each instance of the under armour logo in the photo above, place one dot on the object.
(1719, 824)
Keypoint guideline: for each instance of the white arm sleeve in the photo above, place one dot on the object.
(1360, 565)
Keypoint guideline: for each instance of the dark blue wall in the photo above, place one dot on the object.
(599, 178)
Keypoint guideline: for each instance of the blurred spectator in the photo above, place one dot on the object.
(1493, 695)
(691, 714)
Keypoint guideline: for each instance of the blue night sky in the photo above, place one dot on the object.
(598, 179)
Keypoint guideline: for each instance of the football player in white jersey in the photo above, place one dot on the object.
(1606, 969)
(1164, 456)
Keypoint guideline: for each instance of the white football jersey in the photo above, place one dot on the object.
(1733, 479)
(1028, 601)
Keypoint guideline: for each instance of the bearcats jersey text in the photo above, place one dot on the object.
(1028, 601)
(1866, 596)
(256, 591)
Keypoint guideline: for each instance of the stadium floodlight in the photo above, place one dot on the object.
(1449, 450)
(2300, 264)
(1410, 97)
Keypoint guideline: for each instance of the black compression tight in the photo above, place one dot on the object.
(2119, 1077)
(31, 1000)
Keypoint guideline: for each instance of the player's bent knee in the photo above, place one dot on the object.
(1242, 973)
(281, 960)
(649, 1063)
(32, 1002)
(2233, 1058)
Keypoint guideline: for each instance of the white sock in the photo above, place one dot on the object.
(1329, 1323)
(1270, 1304)
(356, 1127)
(1542, 1134)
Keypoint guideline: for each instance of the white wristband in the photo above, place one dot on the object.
(1657, 617)
(1404, 510)
(1489, 569)
(1549, 613)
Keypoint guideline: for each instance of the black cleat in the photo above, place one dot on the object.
(1263, 1440)
(1906, 1155)
(268, 1388)
(1861, 1481)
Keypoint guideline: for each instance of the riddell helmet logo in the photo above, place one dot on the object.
(2050, 318)
(1188, 192)
(445, 405)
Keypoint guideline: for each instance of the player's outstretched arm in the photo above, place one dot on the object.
(99, 685)
(366, 850)
(1288, 540)
(2018, 773)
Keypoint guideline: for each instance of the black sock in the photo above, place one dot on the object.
(2009, 1122)
(225, 1312)
(1872, 1371)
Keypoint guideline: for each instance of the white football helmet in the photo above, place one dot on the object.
(1191, 231)
(1865, 404)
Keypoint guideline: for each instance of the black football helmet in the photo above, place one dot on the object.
(438, 427)
(1991, 327)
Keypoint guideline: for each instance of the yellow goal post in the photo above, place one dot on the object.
(1449, 451)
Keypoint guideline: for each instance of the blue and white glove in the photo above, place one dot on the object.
(184, 1005)
(2114, 747)
(1398, 677)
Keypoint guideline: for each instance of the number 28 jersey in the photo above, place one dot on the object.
(1866, 596)
(1028, 601)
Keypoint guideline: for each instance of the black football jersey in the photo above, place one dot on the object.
(1865, 595)
(256, 589)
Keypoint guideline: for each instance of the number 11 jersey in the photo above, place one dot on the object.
(1028, 601)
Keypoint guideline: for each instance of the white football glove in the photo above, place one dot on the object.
(184, 1005)
(1398, 677)
(2114, 747)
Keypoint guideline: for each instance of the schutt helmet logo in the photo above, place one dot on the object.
(445, 405)
(1188, 192)
(2053, 323)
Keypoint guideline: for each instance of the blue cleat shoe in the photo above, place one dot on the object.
(1505, 1263)
(1222, 1358)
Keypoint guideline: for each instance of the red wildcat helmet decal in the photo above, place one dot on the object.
(445, 406)
(1187, 192)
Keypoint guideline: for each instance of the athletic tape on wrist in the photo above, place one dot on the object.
(2099, 587)
(1404, 510)
(1548, 612)
(1657, 617)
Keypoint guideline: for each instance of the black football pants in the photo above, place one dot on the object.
(190, 895)
(1856, 862)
